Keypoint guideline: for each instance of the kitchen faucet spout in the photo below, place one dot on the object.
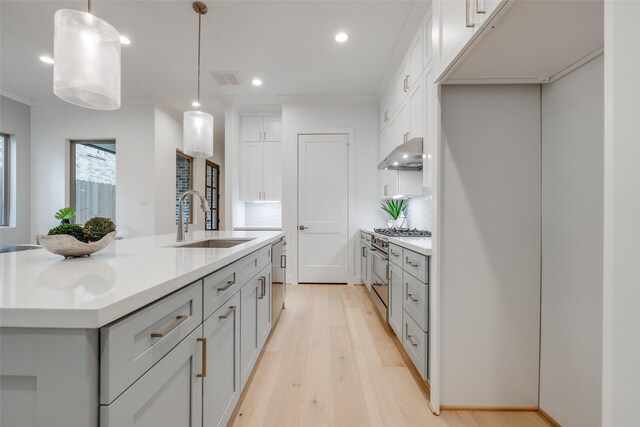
(204, 205)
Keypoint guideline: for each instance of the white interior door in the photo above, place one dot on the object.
(322, 208)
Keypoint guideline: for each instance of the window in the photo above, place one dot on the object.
(4, 178)
(184, 182)
(212, 180)
(93, 179)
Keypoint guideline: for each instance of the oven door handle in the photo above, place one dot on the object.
(379, 254)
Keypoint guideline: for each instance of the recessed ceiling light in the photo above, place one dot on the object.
(195, 104)
(395, 163)
(125, 40)
(405, 156)
(46, 59)
(342, 37)
(256, 82)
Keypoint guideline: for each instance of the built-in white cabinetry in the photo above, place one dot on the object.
(261, 128)
(416, 61)
(457, 21)
(260, 159)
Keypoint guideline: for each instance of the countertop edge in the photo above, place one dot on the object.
(90, 318)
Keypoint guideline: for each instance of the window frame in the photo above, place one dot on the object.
(72, 164)
(191, 160)
(6, 191)
(207, 188)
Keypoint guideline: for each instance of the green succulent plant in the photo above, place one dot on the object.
(65, 214)
(69, 229)
(394, 207)
(98, 227)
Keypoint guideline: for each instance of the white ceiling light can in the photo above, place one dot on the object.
(256, 82)
(46, 59)
(86, 53)
(197, 126)
(125, 40)
(342, 37)
(195, 104)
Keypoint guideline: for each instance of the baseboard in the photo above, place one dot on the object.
(548, 418)
(489, 408)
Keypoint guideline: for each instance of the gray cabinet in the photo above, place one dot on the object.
(416, 300)
(415, 341)
(365, 259)
(395, 298)
(264, 307)
(249, 327)
(169, 394)
(221, 387)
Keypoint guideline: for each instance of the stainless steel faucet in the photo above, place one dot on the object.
(203, 204)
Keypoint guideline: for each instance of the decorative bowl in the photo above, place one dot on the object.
(69, 246)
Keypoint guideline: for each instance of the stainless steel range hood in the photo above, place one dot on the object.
(406, 157)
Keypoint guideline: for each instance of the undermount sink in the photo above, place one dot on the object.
(17, 248)
(214, 243)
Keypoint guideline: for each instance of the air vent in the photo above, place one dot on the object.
(226, 78)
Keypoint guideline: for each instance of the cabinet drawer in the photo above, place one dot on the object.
(131, 346)
(365, 238)
(169, 394)
(416, 264)
(221, 285)
(416, 300)
(416, 342)
(395, 254)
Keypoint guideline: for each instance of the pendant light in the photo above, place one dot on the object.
(86, 52)
(197, 131)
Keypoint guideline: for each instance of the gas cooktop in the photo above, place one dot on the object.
(398, 232)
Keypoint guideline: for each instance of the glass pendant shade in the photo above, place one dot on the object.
(197, 134)
(86, 51)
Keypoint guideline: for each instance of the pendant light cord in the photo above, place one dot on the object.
(89, 6)
(199, 38)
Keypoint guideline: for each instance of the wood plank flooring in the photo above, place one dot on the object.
(331, 362)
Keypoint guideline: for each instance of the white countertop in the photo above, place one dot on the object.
(40, 289)
(421, 245)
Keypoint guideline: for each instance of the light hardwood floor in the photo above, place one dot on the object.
(331, 362)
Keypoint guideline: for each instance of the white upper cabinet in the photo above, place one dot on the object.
(261, 160)
(385, 114)
(251, 128)
(403, 125)
(251, 171)
(417, 110)
(272, 128)
(272, 171)
(259, 128)
(457, 21)
(416, 62)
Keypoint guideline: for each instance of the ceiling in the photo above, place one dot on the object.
(288, 44)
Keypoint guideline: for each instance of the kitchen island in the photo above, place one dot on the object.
(142, 333)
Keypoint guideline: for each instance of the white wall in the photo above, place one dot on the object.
(490, 245)
(621, 312)
(572, 224)
(362, 121)
(133, 129)
(15, 121)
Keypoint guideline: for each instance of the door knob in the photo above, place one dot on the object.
(302, 227)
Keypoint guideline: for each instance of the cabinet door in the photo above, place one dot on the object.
(395, 298)
(416, 110)
(402, 88)
(416, 61)
(249, 295)
(251, 171)
(264, 306)
(431, 130)
(169, 394)
(272, 171)
(251, 128)
(363, 263)
(369, 267)
(457, 21)
(385, 114)
(403, 125)
(272, 127)
(221, 388)
(428, 40)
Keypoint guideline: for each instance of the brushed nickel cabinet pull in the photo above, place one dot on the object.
(263, 291)
(283, 261)
(411, 263)
(232, 308)
(229, 284)
(177, 322)
(406, 79)
(468, 15)
(410, 296)
(204, 358)
(410, 339)
(364, 254)
(478, 10)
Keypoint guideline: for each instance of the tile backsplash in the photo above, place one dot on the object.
(419, 212)
(262, 214)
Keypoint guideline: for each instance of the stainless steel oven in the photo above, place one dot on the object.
(380, 280)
